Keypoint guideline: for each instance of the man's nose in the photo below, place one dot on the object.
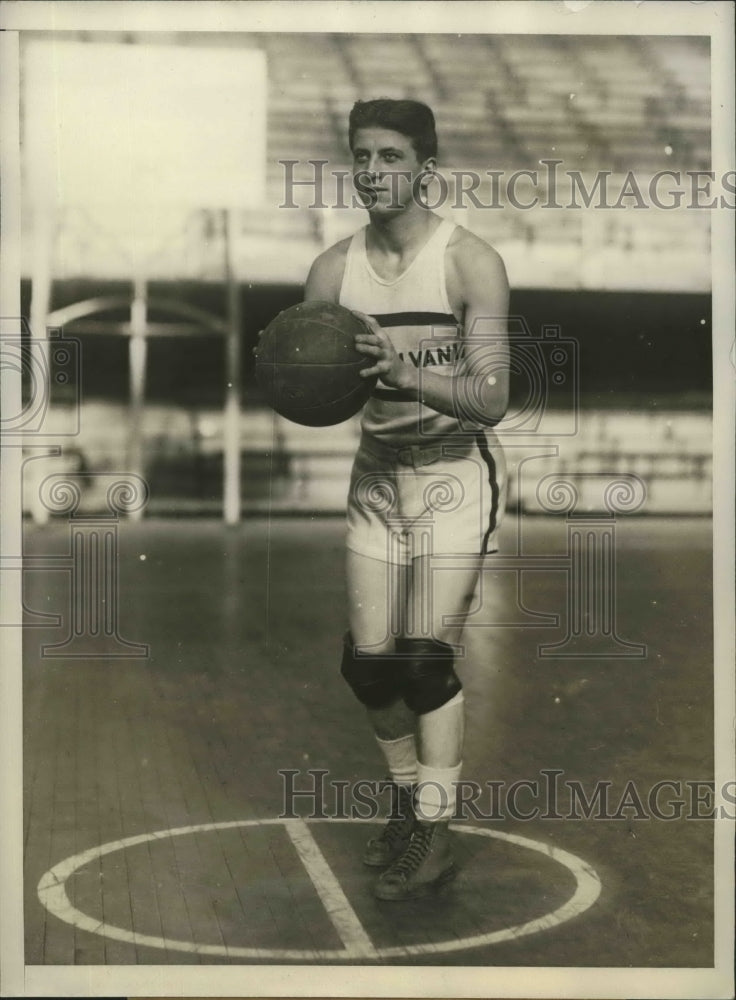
(373, 165)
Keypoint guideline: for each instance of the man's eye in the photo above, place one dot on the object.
(391, 157)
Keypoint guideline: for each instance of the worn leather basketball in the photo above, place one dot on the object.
(308, 367)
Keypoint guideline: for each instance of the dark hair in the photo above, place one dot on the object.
(411, 118)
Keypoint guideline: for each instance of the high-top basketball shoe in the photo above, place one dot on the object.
(393, 840)
(425, 865)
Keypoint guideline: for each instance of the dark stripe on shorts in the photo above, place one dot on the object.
(491, 466)
(415, 319)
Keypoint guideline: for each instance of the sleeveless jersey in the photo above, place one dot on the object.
(414, 310)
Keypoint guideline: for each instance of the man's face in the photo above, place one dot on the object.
(385, 168)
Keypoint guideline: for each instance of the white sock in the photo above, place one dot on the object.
(401, 757)
(435, 796)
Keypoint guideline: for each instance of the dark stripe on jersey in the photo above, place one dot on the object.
(394, 395)
(415, 319)
(491, 465)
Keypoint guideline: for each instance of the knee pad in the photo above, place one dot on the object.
(429, 678)
(374, 679)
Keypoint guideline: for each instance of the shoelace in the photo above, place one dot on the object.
(415, 852)
(395, 829)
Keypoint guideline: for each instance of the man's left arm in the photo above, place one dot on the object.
(478, 391)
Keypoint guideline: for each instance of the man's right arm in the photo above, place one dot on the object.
(325, 275)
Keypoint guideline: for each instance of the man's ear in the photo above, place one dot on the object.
(429, 168)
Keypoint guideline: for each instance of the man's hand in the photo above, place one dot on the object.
(389, 367)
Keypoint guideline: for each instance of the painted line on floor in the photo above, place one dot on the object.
(343, 916)
(53, 896)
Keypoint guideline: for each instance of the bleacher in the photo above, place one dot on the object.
(502, 102)
(289, 469)
(507, 100)
(505, 103)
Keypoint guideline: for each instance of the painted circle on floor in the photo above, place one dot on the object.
(53, 896)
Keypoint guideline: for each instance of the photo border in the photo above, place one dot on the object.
(534, 17)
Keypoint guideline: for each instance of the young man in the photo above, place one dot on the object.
(428, 482)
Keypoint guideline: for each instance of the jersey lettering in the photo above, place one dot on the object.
(445, 355)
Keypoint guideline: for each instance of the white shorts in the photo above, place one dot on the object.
(443, 498)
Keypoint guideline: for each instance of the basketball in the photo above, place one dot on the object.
(308, 367)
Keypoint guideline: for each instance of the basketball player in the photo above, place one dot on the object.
(428, 481)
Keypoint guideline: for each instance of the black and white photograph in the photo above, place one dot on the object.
(367, 543)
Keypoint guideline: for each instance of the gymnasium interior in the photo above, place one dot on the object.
(183, 631)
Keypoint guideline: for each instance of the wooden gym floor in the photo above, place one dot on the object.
(244, 627)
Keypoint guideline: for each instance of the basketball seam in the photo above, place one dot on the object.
(329, 326)
(322, 403)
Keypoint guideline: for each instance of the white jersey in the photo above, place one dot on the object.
(415, 311)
